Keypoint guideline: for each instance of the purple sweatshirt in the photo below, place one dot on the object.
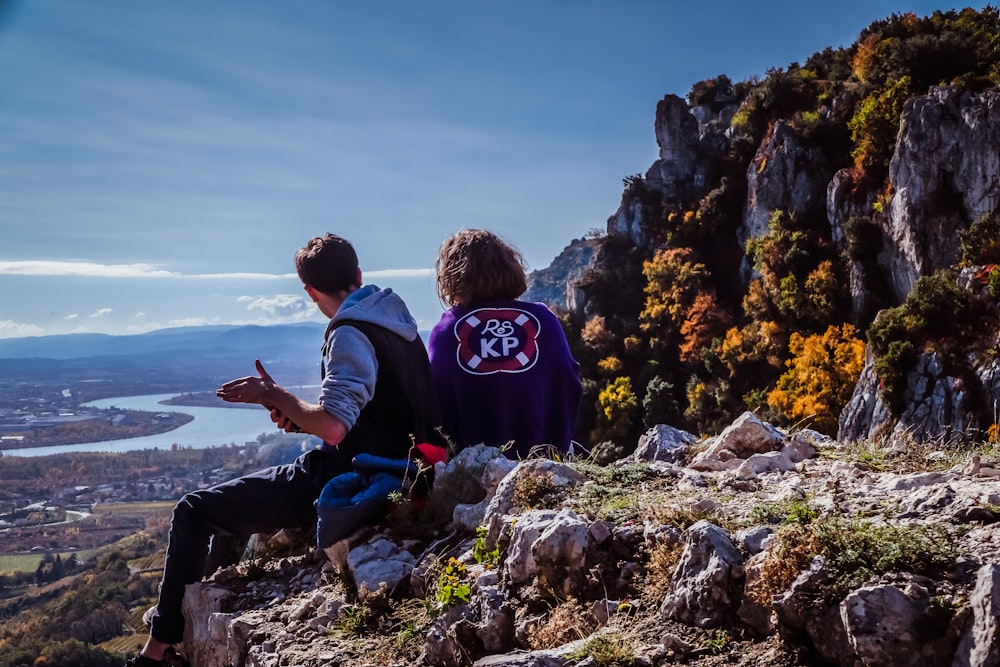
(503, 371)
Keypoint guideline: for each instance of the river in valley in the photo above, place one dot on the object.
(210, 427)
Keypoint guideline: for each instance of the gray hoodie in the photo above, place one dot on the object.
(349, 359)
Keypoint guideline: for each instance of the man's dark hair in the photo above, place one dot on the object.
(328, 263)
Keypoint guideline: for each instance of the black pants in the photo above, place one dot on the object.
(210, 528)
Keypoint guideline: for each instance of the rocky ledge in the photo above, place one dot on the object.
(752, 547)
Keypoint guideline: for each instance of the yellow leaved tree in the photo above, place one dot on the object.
(821, 375)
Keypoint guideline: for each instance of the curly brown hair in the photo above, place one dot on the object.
(477, 265)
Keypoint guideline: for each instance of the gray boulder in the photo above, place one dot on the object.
(377, 564)
(980, 646)
(662, 443)
(708, 582)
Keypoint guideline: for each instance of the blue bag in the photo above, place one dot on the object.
(354, 499)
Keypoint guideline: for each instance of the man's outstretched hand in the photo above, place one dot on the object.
(252, 389)
(248, 389)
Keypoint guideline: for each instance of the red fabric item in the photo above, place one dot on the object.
(432, 453)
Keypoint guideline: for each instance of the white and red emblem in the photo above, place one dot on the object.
(497, 340)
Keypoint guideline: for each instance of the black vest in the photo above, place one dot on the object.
(403, 403)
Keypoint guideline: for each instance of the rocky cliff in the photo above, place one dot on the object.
(756, 546)
(943, 176)
(946, 175)
(557, 284)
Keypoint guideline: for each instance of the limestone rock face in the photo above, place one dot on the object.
(677, 136)
(787, 173)
(560, 551)
(206, 638)
(556, 284)
(796, 609)
(520, 564)
(946, 174)
(533, 471)
(938, 406)
(746, 436)
(686, 168)
(380, 563)
(630, 221)
(463, 477)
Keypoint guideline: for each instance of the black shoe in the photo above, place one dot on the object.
(174, 659)
(142, 661)
(170, 659)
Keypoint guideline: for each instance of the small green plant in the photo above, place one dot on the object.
(353, 620)
(716, 642)
(484, 556)
(451, 587)
(980, 243)
(256, 557)
(607, 649)
(411, 619)
(685, 516)
(789, 511)
(994, 282)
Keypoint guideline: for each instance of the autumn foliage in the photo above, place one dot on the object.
(696, 323)
(821, 374)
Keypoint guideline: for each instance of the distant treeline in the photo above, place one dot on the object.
(47, 474)
(132, 424)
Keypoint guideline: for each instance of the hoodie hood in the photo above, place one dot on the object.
(381, 307)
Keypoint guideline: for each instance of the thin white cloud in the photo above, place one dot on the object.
(193, 322)
(140, 315)
(72, 316)
(97, 270)
(101, 313)
(12, 329)
(282, 307)
(142, 270)
(142, 328)
(58, 268)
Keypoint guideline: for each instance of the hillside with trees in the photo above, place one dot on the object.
(781, 244)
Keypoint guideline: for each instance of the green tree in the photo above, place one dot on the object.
(659, 405)
(937, 316)
(875, 125)
(673, 281)
(798, 283)
(980, 243)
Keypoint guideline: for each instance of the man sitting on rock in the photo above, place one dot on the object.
(376, 399)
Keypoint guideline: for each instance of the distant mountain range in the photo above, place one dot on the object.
(178, 359)
(220, 338)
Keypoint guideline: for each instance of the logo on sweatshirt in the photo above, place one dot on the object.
(497, 340)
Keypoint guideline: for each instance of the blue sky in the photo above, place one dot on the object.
(161, 162)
